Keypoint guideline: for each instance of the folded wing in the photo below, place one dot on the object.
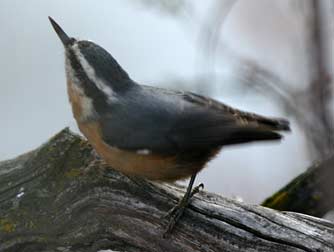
(204, 124)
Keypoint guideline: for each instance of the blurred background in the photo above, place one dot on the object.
(270, 57)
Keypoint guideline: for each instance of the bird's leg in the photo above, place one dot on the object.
(177, 211)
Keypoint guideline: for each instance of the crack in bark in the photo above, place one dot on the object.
(252, 230)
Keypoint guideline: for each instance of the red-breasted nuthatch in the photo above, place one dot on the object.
(151, 132)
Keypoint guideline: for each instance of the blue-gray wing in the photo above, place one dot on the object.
(168, 122)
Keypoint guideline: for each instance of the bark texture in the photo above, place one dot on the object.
(61, 198)
(310, 193)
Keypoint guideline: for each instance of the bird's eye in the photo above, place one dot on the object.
(84, 44)
(72, 41)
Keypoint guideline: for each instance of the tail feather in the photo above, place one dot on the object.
(259, 128)
(251, 134)
(276, 124)
(265, 129)
(221, 129)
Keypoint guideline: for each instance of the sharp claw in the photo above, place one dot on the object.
(196, 189)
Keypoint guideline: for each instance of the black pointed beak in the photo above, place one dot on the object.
(66, 40)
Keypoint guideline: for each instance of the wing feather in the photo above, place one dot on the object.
(171, 122)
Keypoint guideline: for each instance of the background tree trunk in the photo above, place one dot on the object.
(312, 192)
(60, 198)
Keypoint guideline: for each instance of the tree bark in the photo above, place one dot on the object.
(311, 193)
(60, 198)
(321, 84)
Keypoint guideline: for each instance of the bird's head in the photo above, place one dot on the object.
(91, 68)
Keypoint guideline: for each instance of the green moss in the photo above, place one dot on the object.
(6, 226)
(277, 200)
(73, 173)
(316, 197)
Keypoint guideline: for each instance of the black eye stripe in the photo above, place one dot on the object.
(105, 66)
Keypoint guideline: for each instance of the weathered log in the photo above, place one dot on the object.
(59, 198)
(310, 193)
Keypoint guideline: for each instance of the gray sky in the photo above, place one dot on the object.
(153, 48)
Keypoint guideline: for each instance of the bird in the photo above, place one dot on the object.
(149, 132)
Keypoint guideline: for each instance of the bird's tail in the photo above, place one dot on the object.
(276, 124)
(263, 129)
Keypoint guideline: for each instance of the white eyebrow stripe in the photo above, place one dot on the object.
(91, 74)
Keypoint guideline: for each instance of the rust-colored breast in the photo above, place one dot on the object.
(75, 100)
(153, 167)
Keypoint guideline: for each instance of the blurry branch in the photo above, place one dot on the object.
(211, 31)
(310, 193)
(320, 86)
(60, 198)
(263, 80)
(176, 8)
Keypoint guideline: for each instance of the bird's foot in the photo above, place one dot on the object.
(177, 211)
